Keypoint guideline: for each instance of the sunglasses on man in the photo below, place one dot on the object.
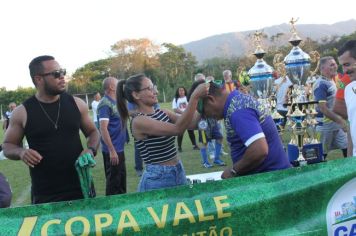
(56, 74)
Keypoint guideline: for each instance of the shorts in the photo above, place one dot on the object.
(215, 133)
(158, 176)
(331, 140)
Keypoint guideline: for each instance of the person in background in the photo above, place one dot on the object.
(5, 124)
(347, 58)
(154, 131)
(341, 81)
(211, 138)
(281, 83)
(51, 121)
(94, 107)
(179, 104)
(230, 85)
(243, 82)
(113, 138)
(7, 115)
(253, 138)
(331, 126)
(212, 132)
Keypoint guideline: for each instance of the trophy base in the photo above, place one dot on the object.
(312, 153)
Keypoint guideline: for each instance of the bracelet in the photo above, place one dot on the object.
(93, 150)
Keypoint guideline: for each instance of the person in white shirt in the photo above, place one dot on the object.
(347, 58)
(8, 114)
(179, 104)
(94, 107)
(281, 87)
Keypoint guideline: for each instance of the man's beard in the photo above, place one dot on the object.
(51, 91)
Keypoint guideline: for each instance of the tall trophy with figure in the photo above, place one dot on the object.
(261, 81)
(303, 148)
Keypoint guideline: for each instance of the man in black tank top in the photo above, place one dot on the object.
(51, 120)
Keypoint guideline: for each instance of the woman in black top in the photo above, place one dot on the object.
(154, 131)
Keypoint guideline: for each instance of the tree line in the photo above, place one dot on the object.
(168, 65)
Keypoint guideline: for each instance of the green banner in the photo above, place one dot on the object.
(313, 200)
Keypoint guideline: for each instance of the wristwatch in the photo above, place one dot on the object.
(234, 172)
(93, 150)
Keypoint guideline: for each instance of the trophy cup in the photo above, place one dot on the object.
(301, 115)
(261, 78)
(262, 81)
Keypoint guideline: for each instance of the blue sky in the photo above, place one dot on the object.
(80, 31)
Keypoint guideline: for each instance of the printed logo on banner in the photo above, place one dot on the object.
(341, 211)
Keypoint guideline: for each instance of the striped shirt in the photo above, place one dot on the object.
(157, 149)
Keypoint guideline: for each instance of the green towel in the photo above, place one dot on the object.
(83, 166)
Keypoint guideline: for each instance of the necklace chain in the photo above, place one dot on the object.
(49, 118)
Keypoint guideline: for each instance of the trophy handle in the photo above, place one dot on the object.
(314, 57)
(279, 65)
(277, 58)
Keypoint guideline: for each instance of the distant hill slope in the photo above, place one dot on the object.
(238, 43)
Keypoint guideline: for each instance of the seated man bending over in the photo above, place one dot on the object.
(251, 133)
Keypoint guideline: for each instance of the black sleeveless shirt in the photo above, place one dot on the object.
(55, 176)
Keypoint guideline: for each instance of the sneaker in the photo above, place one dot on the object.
(219, 163)
(224, 153)
(196, 147)
(207, 165)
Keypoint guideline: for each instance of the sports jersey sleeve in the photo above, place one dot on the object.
(246, 125)
(104, 112)
(320, 92)
(340, 94)
(131, 106)
(340, 85)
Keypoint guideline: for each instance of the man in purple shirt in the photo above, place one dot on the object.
(113, 138)
(253, 137)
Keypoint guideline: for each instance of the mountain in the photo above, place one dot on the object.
(240, 43)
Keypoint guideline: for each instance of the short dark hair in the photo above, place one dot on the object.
(324, 60)
(214, 89)
(193, 87)
(36, 66)
(348, 46)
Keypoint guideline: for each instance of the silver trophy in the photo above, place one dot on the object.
(261, 78)
(297, 64)
(301, 114)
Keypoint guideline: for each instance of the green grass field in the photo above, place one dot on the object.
(18, 174)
